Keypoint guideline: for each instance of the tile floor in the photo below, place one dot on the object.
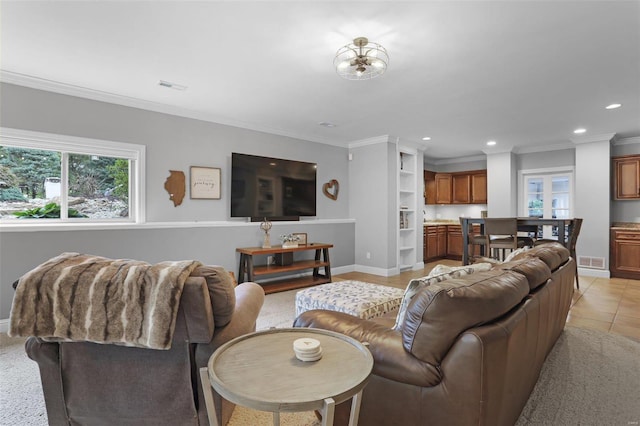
(606, 304)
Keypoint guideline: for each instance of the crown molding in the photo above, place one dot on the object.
(114, 98)
(436, 162)
(544, 148)
(605, 137)
(370, 141)
(627, 141)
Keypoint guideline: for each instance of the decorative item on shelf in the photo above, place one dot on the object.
(361, 60)
(332, 185)
(301, 237)
(175, 185)
(205, 183)
(289, 240)
(265, 225)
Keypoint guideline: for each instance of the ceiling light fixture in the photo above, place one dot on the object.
(613, 106)
(426, 138)
(491, 143)
(579, 131)
(361, 60)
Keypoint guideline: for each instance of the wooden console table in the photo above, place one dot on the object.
(250, 272)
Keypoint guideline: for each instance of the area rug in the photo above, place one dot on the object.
(590, 378)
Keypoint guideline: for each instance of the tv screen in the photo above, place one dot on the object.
(272, 187)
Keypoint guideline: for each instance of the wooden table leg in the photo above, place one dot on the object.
(328, 411)
(208, 397)
(327, 269)
(355, 409)
(241, 268)
(276, 418)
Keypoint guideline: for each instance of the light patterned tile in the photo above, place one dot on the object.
(587, 313)
(597, 305)
(626, 326)
(588, 323)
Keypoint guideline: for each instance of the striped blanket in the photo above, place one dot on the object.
(78, 297)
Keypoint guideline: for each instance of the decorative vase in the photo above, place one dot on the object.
(289, 244)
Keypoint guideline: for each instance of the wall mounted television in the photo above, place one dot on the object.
(272, 188)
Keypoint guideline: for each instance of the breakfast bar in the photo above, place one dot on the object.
(524, 223)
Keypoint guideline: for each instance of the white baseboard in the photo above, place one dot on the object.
(342, 269)
(600, 273)
(377, 271)
(4, 325)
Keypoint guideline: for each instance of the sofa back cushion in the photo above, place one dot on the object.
(441, 311)
(536, 271)
(553, 254)
(221, 287)
(438, 274)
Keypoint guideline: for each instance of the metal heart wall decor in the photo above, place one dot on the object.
(331, 189)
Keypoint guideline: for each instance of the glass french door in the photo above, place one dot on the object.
(549, 196)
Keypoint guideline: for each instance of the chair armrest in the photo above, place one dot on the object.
(391, 360)
(249, 300)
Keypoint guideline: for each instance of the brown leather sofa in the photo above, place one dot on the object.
(470, 349)
(105, 384)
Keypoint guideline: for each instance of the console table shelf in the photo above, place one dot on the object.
(249, 272)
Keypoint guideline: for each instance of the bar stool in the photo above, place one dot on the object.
(502, 234)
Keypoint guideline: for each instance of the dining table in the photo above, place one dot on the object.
(524, 224)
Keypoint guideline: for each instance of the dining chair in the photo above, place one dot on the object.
(573, 231)
(476, 242)
(501, 234)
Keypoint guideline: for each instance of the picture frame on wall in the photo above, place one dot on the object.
(301, 238)
(205, 183)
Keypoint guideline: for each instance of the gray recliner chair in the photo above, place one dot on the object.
(106, 384)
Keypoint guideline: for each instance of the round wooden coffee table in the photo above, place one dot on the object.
(261, 371)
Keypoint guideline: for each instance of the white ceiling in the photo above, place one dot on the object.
(523, 73)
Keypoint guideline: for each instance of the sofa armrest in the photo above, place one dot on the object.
(391, 360)
(46, 354)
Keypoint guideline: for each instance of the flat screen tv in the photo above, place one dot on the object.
(272, 188)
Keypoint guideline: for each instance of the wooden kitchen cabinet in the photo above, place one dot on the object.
(443, 188)
(461, 188)
(479, 188)
(626, 177)
(429, 187)
(455, 188)
(454, 242)
(625, 253)
(435, 242)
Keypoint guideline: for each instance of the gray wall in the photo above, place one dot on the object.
(373, 181)
(543, 160)
(173, 143)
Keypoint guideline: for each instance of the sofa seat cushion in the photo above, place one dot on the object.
(438, 274)
(221, 287)
(536, 271)
(438, 313)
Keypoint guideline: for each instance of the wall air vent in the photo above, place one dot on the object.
(591, 262)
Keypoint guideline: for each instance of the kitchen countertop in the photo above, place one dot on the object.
(436, 222)
(626, 225)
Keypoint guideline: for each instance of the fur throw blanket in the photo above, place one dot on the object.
(78, 297)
